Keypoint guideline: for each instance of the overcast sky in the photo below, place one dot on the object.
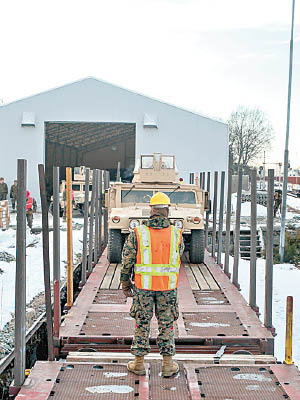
(205, 55)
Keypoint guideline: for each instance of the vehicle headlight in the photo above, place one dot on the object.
(178, 224)
(134, 223)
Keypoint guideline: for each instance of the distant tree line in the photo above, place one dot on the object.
(250, 133)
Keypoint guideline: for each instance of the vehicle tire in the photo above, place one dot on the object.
(115, 246)
(197, 246)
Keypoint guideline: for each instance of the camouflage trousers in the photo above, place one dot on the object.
(29, 218)
(165, 304)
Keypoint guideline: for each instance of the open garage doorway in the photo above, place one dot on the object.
(92, 144)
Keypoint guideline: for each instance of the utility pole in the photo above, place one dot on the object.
(286, 151)
(264, 172)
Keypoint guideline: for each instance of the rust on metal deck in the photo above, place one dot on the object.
(212, 313)
(69, 381)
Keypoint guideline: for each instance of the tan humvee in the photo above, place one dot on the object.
(78, 189)
(128, 205)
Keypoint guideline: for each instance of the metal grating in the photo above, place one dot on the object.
(213, 324)
(109, 296)
(235, 383)
(115, 324)
(173, 388)
(95, 381)
(210, 297)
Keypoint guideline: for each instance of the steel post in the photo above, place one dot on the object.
(192, 178)
(215, 202)
(235, 272)
(96, 217)
(118, 178)
(46, 261)
(92, 217)
(105, 224)
(221, 215)
(207, 212)
(56, 238)
(20, 283)
(100, 211)
(85, 226)
(69, 238)
(252, 287)
(289, 331)
(228, 220)
(203, 181)
(269, 252)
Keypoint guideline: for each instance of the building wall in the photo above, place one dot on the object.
(199, 143)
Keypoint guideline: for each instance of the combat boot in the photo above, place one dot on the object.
(169, 367)
(137, 366)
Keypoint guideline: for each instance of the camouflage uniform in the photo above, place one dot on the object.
(13, 195)
(3, 191)
(165, 303)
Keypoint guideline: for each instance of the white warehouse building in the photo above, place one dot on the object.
(97, 124)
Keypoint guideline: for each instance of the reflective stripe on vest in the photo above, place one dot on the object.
(146, 272)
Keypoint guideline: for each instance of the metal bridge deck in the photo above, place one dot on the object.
(212, 313)
(69, 381)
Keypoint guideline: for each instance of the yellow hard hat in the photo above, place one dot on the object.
(160, 199)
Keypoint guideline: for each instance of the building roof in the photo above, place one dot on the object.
(96, 80)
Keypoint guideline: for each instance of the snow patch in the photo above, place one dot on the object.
(124, 389)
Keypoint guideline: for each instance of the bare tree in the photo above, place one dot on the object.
(250, 133)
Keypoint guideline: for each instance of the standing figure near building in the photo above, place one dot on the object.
(31, 207)
(13, 194)
(277, 201)
(152, 252)
(3, 189)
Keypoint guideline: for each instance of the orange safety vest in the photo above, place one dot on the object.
(29, 203)
(158, 258)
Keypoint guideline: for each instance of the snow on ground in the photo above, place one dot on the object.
(34, 262)
(293, 202)
(285, 283)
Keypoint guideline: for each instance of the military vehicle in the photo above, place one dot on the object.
(78, 189)
(128, 205)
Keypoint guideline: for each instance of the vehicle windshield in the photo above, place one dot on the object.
(136, 196)
(76, 187)
(147, 162)
(181, 197)
(167, 162)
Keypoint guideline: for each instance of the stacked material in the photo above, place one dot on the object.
(4, 215)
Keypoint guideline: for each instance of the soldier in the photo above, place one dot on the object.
(13, 194)
(153, 251)
(31, 207)
(3, 189)
(277, 201)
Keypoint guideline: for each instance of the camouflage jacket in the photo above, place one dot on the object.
(130, 247)
(13, 192)
(3, 188)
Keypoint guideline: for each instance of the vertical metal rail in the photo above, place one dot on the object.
(56, 245)
(91, 232)
(269, 252)
(221, 215)
(289, 331)
(207, 212)
(235, 272)
(203, 181)
(85, 226)
(96, 217)
(69, 238)
(192, 176)
(46, 261)
(118, 178)
(100, 211)
(105, 224)
(20, 285)
(228, 220)
(214, 230)
(252, 287)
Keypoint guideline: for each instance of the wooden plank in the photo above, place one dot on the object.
(191, 278)
(208, 277)
(192, 358)
(116, 279)
(200, 279)
(108, 277)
